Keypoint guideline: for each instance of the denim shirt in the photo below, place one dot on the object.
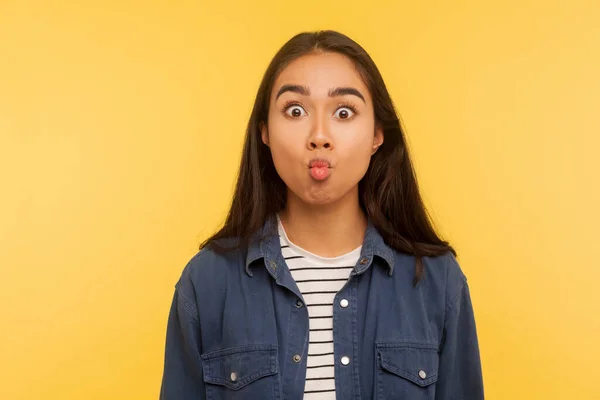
(238, 328)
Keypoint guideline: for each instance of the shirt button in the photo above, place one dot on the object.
(345, 360)
(344, 303)
(297, 358)
(299, 304)
(422, 374)
(233, 377)
(363, 261)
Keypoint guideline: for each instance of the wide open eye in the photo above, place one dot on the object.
(344, 113)
(294, 110)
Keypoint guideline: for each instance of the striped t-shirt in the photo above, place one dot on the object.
(319, 279)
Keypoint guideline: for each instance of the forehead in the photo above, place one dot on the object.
(321, 72)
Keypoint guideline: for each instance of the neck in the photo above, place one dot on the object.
(326, 230)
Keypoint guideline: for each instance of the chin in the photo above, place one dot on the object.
(316, 196)
(318, 202)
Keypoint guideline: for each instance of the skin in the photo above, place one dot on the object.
(314, 124)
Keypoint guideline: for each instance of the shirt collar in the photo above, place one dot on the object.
(264, 244)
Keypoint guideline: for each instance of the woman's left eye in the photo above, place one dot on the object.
(344, 113)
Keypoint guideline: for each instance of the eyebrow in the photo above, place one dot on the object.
(334, 92)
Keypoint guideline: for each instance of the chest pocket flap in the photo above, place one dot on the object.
(237, 367)
(417, 362)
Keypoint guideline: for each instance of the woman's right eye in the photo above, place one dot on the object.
(295, 111)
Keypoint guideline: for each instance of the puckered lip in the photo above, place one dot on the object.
(319, 162)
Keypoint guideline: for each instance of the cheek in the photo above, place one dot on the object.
(287, 147)
(354, 155)
(356, 162)
(356, 145)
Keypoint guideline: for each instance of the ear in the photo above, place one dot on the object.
(264, 133)
(377, 139)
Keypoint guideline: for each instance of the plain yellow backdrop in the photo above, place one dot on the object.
(121, 125)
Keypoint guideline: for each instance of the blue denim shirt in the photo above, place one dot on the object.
(236, 329)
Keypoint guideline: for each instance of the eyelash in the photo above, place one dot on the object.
(350, 106)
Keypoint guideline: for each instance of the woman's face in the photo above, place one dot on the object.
(321, 110)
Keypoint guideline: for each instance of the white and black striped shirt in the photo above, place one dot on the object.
(319, 279)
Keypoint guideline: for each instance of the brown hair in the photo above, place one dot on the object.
(388, 193)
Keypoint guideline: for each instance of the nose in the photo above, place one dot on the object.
(319, 137)
(320, 142)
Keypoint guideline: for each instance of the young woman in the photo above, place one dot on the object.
(327, 280)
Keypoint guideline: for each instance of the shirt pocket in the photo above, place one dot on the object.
(245, 372)
(407, 370)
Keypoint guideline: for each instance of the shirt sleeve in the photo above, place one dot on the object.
(182, 376)
(460, 375)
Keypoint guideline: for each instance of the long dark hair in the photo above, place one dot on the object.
(388, 193)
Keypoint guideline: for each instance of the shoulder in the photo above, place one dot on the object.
(444, 272)
(446, 265)
(210, 268)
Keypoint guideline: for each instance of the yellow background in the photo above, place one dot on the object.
(121, 124)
